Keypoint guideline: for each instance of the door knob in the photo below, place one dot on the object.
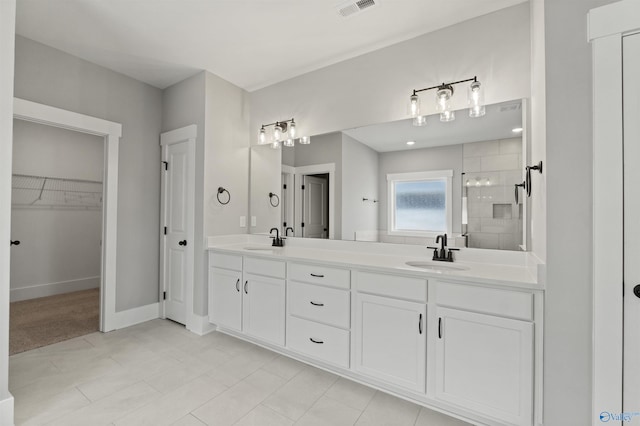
(636, 290)
(182, 243)
(15, 243)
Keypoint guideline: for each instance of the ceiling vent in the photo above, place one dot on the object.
(351, 8)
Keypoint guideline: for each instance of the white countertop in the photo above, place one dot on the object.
(513, 270)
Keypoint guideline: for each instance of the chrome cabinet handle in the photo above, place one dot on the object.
(316, 304)
(238, 285)
(245, 287)
(319, 342)
(317, 275)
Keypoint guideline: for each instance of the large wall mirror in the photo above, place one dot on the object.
(400, 183)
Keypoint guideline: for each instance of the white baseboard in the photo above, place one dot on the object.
(51, 289)
(6, 411)
(201, 325)
(135, 316)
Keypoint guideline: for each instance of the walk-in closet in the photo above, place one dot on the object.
(56, 231)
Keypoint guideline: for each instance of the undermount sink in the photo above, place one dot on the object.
(436, 266)
(266, 249)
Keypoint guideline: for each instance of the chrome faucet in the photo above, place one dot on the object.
(277, 240)
(444, 254)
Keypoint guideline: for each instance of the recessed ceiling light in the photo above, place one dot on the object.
(517, 130)
(411, 143)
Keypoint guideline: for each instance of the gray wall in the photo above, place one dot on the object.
(359, 180)
(60, 247)
(55, 78)
(568, 309)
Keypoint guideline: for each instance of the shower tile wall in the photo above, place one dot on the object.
(491, 170)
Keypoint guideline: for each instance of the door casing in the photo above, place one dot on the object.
(186, 134)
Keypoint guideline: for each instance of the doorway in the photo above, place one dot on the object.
(177, 255)
(56, 231)
(315, 206)
(110, 132)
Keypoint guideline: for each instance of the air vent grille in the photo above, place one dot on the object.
(348, 10)
(363, 4)
(351, 8)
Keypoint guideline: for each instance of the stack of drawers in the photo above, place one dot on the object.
(319, 312)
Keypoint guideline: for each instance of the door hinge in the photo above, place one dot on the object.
(165, 230)
(166, 165)
(164, 295)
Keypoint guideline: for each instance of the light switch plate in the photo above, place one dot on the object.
(253, 221)
(243, 221)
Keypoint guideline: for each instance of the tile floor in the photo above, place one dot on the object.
(157, 373)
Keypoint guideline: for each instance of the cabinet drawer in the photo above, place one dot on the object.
(323, 304)
(316, 274)
(319, 341)
(512, 304)
(396, 286)
(225, 261)
(264, 267)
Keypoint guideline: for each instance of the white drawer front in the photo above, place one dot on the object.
(399, 287)
(323, 304)
(513, 304)
(225, 261)
(264, 267)
(316, 274)
(319, 341)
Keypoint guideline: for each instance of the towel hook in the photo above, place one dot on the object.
(271, 197)
(221, 190)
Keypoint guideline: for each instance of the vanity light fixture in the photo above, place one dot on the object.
(444, 93)
(284, 132)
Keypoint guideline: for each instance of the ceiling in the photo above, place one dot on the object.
(498, 123)
(251, 43)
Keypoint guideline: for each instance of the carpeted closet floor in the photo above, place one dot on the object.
(47, 320)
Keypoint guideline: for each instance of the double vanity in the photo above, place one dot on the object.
(464, 338)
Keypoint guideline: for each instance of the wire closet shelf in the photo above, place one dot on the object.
(29, 191)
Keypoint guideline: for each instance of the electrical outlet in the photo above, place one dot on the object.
(243, 221)
(253, 221)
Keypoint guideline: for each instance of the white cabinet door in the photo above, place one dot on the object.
(264, 308)
(225, 298)
(485, 364)
(391, 340)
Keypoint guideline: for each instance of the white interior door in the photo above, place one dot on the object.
(631, 366)
(315, 211)
(178, 208)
